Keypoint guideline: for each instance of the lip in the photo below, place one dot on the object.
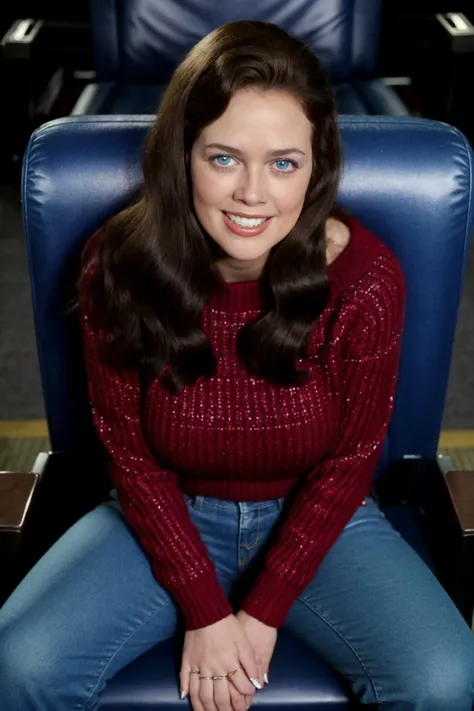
(246, 231)
(244, 214)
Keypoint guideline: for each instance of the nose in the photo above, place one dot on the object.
(251, 188)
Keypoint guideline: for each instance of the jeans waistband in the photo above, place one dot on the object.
(199, 502)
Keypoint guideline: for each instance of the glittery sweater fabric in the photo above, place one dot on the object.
(239, 438)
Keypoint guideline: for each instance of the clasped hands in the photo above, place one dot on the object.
(237, 642)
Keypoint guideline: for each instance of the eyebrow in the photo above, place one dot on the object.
(273, 154)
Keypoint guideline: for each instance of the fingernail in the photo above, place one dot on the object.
(183, 694)
(256, 683)
(265, 678)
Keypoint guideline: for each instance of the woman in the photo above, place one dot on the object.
(242, 340)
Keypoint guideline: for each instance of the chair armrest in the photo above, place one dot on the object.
(36, 508)
(17, 491)
(460, 486)
(443, 505)
(454, 499)
(16, 494)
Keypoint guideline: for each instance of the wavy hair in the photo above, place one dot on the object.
(156, 265)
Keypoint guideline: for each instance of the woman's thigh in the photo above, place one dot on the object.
(88, 608)
(376, 613)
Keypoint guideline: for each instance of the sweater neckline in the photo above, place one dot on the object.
(342, 272)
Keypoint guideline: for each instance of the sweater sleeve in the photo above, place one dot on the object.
(151, 500)
(333, 490)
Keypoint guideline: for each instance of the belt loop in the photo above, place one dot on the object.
(197, 503)
(281, 503)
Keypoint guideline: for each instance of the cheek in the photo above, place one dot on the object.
(207, 188)
(290, 196)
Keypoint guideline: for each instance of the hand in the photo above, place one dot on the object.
(262, 639)
(216, 650)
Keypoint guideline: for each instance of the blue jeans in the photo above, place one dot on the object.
(373, 611)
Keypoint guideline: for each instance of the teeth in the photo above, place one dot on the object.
(246, 221)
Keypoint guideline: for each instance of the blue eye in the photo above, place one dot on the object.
(284, 163)
(222, 161)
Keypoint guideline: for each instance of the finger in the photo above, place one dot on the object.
(261, 671)
(184, 680)
(222, 695)
(239, 701)
(250, 666)
(194, 689)
(206, 693)
(242, 683)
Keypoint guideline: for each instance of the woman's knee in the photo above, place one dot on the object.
(442, 681)
(32, 677)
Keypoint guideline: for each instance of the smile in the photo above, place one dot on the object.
(246, 226)
(246, 221)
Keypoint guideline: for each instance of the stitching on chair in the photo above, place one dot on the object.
(346, 642)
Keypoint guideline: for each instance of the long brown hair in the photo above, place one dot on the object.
(156, 265)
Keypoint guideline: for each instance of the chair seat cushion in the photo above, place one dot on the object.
(364, 97)
(299, 678)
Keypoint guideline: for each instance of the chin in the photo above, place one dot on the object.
(246, 253)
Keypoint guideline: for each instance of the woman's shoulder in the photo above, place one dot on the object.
(368, 289)
(359, 261)
(338, 235)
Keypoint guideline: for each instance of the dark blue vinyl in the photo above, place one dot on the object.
(408, 180)
(370, 97)
(138, 44)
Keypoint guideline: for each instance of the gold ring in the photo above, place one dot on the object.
(195, 671)
(231, 674)
(214, 678)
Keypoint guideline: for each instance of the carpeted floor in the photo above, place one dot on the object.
(19, 454)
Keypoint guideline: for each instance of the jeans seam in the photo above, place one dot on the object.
(329, 624)
(257, 539)
(107, 665)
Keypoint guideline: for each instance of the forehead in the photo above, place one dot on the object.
(256, 116)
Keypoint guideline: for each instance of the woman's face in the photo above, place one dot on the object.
(250, 170)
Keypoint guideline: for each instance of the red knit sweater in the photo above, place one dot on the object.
(239, 438)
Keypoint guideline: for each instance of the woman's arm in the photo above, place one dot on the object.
(149, 495)
(335, 488)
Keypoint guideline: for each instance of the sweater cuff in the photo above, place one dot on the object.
(270, 600)
(203, 602)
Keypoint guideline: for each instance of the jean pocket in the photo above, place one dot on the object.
(193, 502)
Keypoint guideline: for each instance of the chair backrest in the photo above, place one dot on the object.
(408, 180)
(144, 40)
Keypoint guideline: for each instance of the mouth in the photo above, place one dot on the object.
(246, 226)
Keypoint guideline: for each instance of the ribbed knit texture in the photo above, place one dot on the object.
(239, 438)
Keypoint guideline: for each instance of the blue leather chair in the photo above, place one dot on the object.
(138, 43)
(410, 181)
